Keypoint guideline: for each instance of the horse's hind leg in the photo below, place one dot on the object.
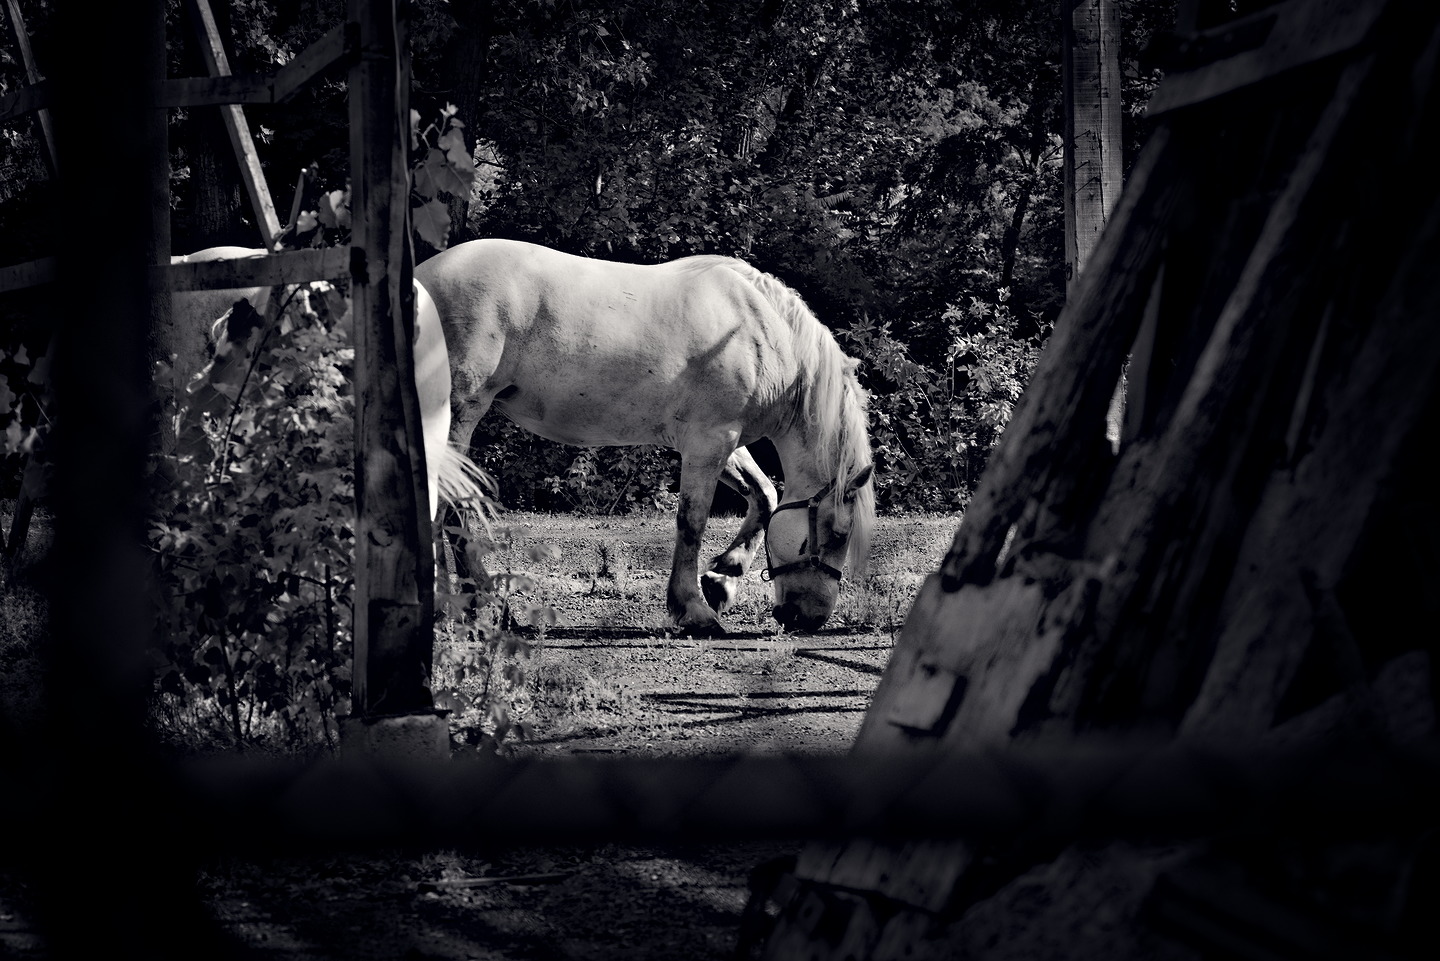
(721, 583)
(700, 468)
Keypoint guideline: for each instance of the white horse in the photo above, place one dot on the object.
(451, 476)
(704, 355)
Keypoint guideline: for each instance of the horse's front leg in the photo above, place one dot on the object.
(699, 471)
(721, 583)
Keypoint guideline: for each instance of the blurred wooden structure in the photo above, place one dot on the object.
(1262, 536)
(393, 635)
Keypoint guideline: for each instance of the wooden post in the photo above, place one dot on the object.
(99, 669)
(394, 563)
(1092, 168)
(162, 339)
(1091, 57)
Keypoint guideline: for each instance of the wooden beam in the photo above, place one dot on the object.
(212, 49)
(1263, 45)
(338, 45)
(32, 74)
(335, 47)
(19, 102)
(1094, 788)
(289, 267)
(216, 91)
(32, 273)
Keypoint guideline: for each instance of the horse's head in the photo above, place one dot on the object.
(806, 543)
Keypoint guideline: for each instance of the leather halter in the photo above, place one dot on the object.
(809, 561)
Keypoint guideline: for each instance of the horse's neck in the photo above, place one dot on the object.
(800, 464)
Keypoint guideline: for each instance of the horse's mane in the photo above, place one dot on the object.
(831, 400)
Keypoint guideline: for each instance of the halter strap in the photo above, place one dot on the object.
(812, 560)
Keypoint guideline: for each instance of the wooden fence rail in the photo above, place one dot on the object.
(1058, 793)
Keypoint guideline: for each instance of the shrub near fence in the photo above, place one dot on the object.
(252, 532)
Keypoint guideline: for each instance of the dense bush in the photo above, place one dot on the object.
(933, 425)
(252, 532)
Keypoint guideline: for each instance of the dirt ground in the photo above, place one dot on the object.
(608, 679)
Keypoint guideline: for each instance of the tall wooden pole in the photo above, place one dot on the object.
(1092, 126)
(394, 564)
(99, 677)
(1093, 171)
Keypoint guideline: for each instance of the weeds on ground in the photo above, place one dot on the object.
(483, 660)
(24, 628)
(567, 690)
(777, 662)
(878, 604)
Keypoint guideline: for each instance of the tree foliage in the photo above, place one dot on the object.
(897, 161)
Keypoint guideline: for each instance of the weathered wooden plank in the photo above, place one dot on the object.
(216, 91)
(1263, 45)
(394, 563)
(17, 103)
(32, 273)
(213, 51)
(338, 45)
(287, 267)
(32, 75)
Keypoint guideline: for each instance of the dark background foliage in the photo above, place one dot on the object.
(898, 163)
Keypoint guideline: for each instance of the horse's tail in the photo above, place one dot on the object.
(464, 484)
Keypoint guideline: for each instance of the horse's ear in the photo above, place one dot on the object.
(858, 481)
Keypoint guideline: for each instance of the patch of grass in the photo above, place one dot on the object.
(777, 662)
(611, 571)
(879, 604)
(568, 690)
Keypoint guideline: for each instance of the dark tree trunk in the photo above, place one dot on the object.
(1034, 152)
(212, 198)
(467, 65)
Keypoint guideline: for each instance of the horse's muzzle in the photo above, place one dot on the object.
(793, 618)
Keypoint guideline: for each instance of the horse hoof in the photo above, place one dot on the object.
(720, 590)
(700, 626)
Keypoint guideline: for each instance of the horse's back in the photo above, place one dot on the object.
(588, 351)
